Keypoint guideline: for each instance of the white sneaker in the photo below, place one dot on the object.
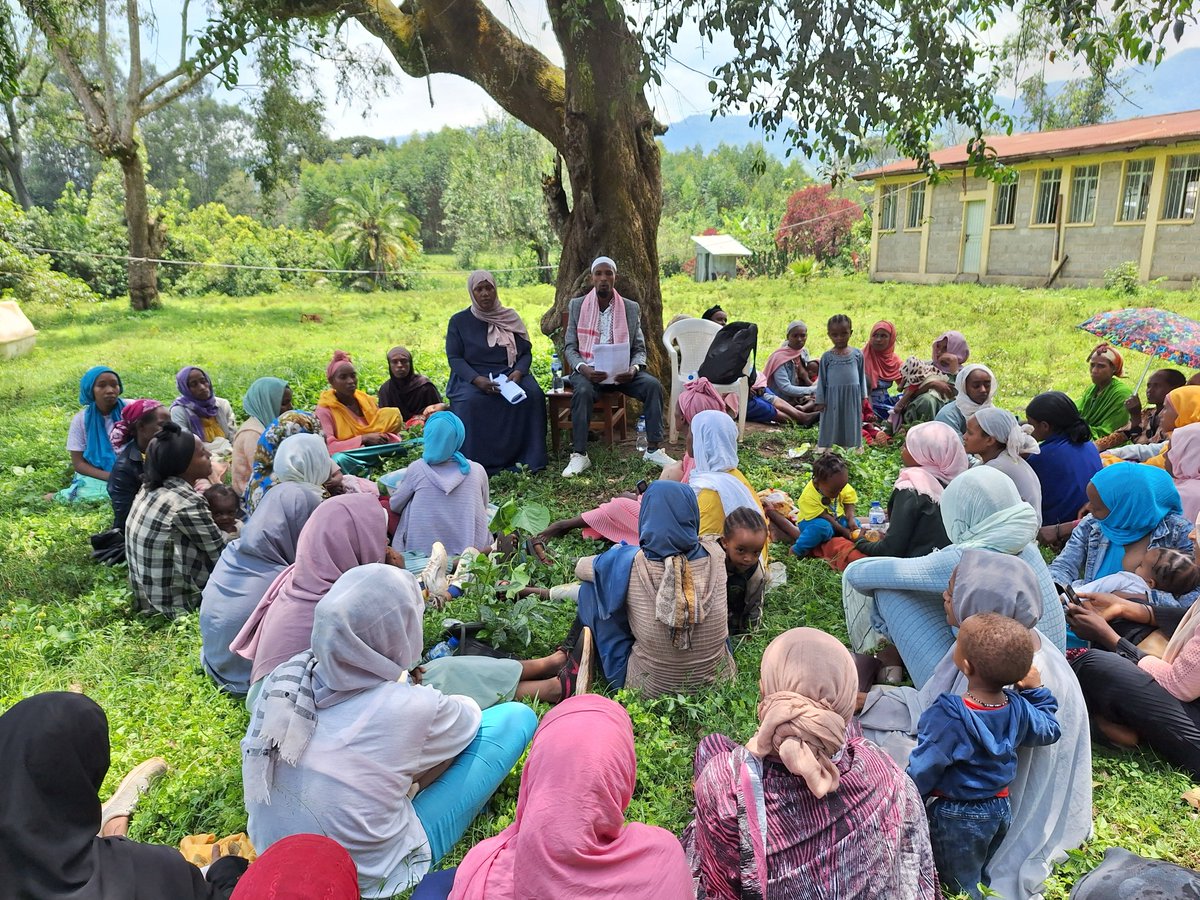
(579, 463)
(658, 457)
(132, 786)
(435, 576)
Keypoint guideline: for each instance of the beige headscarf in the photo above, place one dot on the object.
(504, 324)
(808, 685)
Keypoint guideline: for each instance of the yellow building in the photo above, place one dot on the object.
(1083, 200)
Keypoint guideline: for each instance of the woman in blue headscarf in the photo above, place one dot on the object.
(1133, 507)
(658, 610)
(92, 453)
(444, 496)
(265, 400)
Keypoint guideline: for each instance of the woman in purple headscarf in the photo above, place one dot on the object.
(198, 410)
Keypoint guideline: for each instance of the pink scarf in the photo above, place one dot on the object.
(342, 533)
(504, 324)
(938, 452)
(780, 357)
(1184, 454)
(569, 837)
(587, 329)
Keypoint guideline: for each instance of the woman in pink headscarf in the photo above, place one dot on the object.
(1183, 462)
(343, 533)
(487, 342)
(843, 820)
(617, 519)
(949, 352)
(569, 837)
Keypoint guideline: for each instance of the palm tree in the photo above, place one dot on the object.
(374, 224)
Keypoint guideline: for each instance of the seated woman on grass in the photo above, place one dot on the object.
(414, 395)
(1144, 422)
(997, 439)
(924, 390)
(786, 374)
(349, 740)
(1133, 696)
(1051, 795)
(197, 408)
(444, 496)
(593, 852)
(140, 422)
(974, 387)
(265, 400)
(1065, 463)
(56, 840)
(1102, 405)
(806, 807)
(352, 420)
(262, 469)
(659, 610)
(88, 441)
(883, 367)
(171, 540)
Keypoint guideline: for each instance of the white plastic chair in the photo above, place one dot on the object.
(687, 343)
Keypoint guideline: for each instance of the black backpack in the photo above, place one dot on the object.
(731, 347)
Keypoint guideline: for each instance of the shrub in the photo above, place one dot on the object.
(30, 279)
(816, 224)
(1124, 279)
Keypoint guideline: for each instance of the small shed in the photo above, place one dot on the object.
(717, 255)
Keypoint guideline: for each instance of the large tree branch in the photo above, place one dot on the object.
(95, 119)
(133, 88)
(460, 37)
(193, 77)
(106, 69)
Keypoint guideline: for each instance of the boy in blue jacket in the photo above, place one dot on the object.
(966, 754)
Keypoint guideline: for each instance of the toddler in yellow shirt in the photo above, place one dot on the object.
(826, 507)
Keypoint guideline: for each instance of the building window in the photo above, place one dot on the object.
(1183, 179)
(916, 204)
(887, 207)
(1085, 181)
(1045, 210)
(1006, 203)
(1135, 193)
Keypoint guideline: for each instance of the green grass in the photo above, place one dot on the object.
(64, 621)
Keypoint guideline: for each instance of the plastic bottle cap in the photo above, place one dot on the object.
(453, 642)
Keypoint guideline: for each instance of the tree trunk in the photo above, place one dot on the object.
(543, 261)
(144, 233)
(613, 167)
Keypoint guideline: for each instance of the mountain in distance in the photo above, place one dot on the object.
(1147, 92)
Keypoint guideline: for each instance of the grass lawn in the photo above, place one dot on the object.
(65, 621)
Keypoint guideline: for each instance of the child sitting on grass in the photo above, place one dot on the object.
(223, 503)
(743, 539)
(826, 507)
(966, 754)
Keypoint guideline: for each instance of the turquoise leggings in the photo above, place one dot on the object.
(448, 806)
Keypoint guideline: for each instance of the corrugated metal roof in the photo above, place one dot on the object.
(722, 245)
(1128, 134)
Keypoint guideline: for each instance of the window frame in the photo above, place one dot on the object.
(1147, 186)
(1195, 192)
(909, 206)
(888, 197)
(998, 204)
(1037, 196)
(1071, 194)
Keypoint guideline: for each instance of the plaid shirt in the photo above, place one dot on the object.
(172, 544)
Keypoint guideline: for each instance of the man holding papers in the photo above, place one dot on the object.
(605, 348)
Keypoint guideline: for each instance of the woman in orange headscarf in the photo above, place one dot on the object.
(348, 416)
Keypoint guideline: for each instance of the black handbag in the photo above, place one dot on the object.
(470, 645)
(108, 547)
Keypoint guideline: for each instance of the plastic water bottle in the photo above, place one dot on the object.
(876, 516)
(642, 444)
(445, 648)
(556, 373)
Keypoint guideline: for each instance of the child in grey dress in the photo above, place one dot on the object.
(841, 388)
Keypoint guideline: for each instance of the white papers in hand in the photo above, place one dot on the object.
(509, 390)
(611, 358)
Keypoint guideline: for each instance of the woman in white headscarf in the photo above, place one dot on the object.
(975, 386)
(901, 599)
(719, 484)
(1051, 795)
(996, 437)
(346, 742)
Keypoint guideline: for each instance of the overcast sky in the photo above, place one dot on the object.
(456, 102)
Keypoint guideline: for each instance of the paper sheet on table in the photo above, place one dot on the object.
(509, 390)
(611, 358)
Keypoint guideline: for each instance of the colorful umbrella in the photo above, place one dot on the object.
(1155, 332)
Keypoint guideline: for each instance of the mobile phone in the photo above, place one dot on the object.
(642, 485)
(1069, 592)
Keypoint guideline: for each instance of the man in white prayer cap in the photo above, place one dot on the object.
(603, 316)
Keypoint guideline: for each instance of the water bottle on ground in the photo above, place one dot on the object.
(642, 444)
(556, 373)
(876, 516)
(445, 648)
